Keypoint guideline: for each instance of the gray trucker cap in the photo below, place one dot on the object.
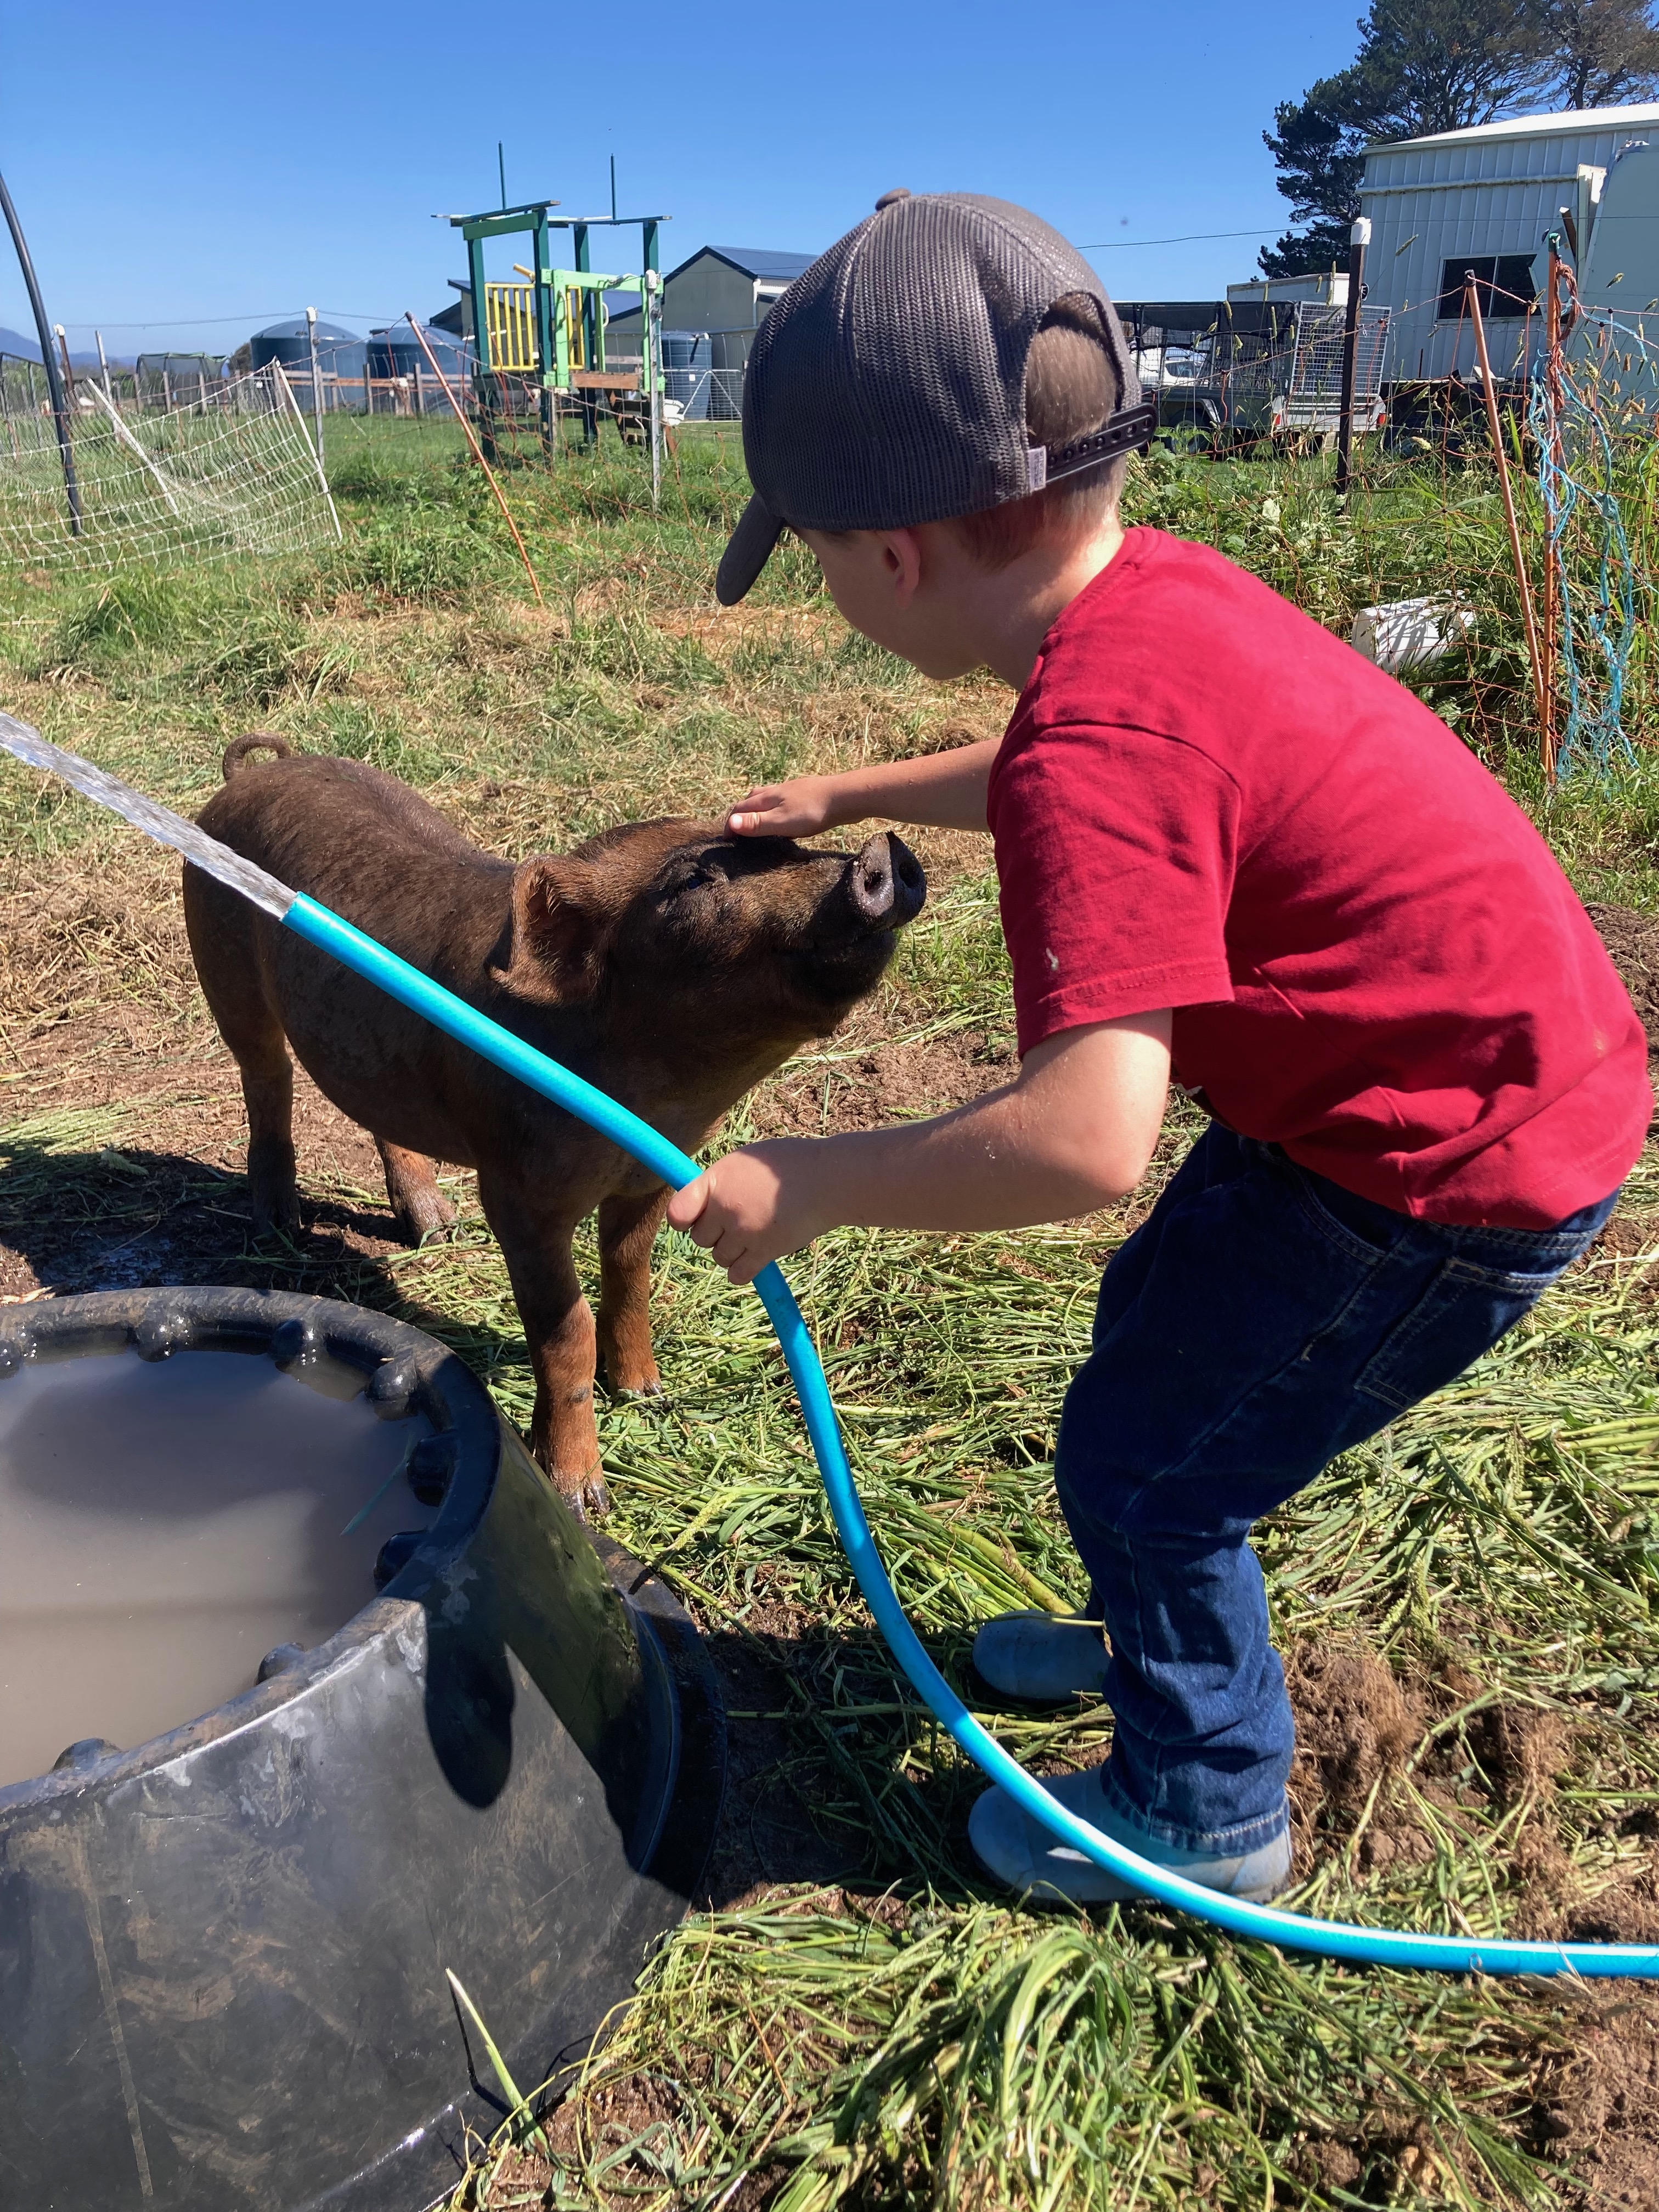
(887, 386)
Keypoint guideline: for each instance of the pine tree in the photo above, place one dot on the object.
(1601, 53)
(1432, 66)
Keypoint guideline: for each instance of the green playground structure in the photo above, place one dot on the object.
(548, 331)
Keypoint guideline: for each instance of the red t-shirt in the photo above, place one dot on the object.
(1206, 802)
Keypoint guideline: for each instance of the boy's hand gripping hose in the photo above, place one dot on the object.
(1293, 1932)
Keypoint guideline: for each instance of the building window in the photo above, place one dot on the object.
(1503, 284)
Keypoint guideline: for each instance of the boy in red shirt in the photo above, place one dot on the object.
(1228, 846)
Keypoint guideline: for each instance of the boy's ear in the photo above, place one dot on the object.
(901, 556)
(549, 953)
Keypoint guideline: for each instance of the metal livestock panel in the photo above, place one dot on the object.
(1492, 191)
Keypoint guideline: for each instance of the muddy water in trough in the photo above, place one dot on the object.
(165, 1524)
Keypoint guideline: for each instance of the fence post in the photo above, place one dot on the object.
(316, 381)
(103, 363)
(1358, 238)
(68, 371)
(651, 332)
(59, 411)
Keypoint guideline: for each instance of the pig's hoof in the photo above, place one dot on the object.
(631, 1378)
(587, 1496)
(429, 1219)
(280, 1220)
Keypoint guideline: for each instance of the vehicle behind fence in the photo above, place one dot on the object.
(1247, 369)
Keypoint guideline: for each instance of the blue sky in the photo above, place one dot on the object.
(200, 171)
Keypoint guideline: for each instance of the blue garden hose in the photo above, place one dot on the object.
(1291, 1931)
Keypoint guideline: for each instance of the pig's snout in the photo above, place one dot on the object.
(886, 883)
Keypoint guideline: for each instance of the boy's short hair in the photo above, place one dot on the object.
(1072, 387)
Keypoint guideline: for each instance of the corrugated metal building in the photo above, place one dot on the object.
(721, 294)
(1480, 199)
(728, 288)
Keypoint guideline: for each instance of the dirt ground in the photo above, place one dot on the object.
(1597, 2090)
(1633, 938)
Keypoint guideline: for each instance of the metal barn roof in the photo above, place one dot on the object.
(1639, 115)
(756, 261)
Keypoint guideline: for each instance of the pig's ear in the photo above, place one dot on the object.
(548, 950)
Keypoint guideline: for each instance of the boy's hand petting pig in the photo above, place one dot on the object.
(799, 808)
(753, 1206)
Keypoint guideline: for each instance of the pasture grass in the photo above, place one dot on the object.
(1467, 1602)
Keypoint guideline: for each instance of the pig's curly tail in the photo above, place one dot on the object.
(258, 741)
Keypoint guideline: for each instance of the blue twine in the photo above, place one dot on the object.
(1576, 473)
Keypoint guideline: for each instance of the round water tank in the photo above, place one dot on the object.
(339, 351)
(395, 352)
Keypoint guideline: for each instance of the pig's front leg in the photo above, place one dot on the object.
(558, 1327)
(628, 1230)
(422, 1209)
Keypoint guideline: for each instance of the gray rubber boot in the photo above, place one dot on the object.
(1043, 1657)
(1022, 1855)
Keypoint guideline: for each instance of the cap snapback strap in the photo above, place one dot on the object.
(1127, 430)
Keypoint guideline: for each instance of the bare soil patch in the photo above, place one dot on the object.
(860, 1080)
(1632, 939)
(1356, 1727)
(1597, 2102)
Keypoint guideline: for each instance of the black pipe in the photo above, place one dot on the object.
(54, 380)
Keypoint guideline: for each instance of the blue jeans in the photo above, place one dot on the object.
(1261, 1320)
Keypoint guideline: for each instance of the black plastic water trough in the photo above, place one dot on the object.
(223, 1950)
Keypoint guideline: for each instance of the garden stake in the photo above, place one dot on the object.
(1552, 391)
(478, 451)
(331, 934)
(1539, 690)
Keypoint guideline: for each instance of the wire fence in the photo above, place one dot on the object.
(1227, 374)
(1593, 413)
(229, 470)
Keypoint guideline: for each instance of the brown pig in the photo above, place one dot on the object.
(670, 965)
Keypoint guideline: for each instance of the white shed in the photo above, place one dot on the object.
(1481, 199)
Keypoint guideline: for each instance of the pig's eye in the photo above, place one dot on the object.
(685, 880)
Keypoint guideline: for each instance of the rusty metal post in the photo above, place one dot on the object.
(1496, 427)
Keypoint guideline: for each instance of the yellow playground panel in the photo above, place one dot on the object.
(510, 320)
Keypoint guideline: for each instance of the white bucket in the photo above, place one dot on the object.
(1410, 633)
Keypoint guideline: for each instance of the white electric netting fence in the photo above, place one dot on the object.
(230, 469)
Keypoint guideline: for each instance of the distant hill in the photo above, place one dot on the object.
(21, 348)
